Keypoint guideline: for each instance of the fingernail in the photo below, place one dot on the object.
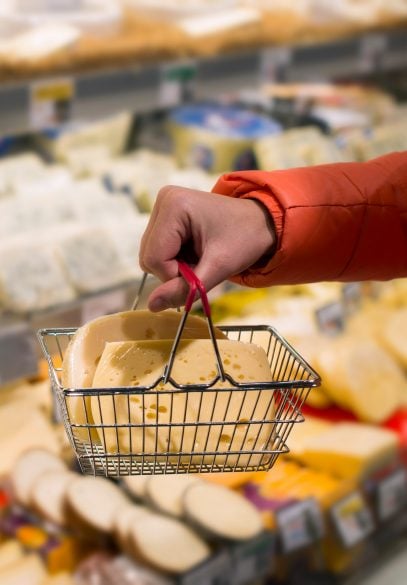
(158, 304)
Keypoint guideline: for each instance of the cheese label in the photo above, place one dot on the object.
(51, 102)
(253, 559)
(392, 495)
(351, 297)
(300, 525)
(331, 318)
(352, 519)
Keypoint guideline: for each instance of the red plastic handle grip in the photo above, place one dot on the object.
(195, 284)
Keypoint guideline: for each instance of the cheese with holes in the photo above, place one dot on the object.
(350, 450)
(141, 363)
(86, 347)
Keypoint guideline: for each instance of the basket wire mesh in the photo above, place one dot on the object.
(292, 380)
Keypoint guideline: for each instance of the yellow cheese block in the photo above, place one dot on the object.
(361, 376)
(350, 450)
(87, 345)
(301, 433)
(394, 336)
(142, 363)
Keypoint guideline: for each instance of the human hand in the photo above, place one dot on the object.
(221, 236)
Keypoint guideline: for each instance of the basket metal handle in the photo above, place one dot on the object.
(195, 286)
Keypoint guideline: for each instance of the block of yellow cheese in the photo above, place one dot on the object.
(302, 432)
(142, 363)
(86, 347)
(361, 376)
(350, 450)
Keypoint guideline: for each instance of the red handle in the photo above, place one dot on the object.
(195, 284)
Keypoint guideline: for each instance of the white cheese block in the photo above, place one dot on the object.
(31, 278)
(95, 502)
(10, 552)
(141, 363)
(222, 512)
(29, 468)
(126, 236)
(90, 261)
(166, 492)
(350, 450)
(30, 570)
(39, 42)
(167, 544)
(48, 495)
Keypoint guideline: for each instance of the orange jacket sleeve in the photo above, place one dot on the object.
(343, 222)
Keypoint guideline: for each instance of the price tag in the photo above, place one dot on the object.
(253, 560)
(51, 103)
(372, 47)
(274, 61)
(175, 85)
(103, 304)
(352, 297)
(392, 494)
(353, 520)
(331, 318)
(300, 525)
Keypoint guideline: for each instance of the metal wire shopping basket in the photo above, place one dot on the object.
(196, 428)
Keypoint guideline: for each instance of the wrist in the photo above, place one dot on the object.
(266, 233)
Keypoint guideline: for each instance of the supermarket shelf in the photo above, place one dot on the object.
(142, 89)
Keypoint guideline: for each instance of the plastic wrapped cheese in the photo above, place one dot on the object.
(350, 450)
(141, 363)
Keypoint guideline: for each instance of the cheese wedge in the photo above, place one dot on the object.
(125, 518)
(350, 450)
(48, 495)
(362, 377)
(87, 345)
(142, 363)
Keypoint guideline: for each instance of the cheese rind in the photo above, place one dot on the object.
(229, 409)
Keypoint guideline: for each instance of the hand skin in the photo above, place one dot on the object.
(224, 235)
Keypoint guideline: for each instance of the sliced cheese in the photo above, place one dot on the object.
(94, 501)
(136, 485)
(168, 545)
(10, 552)
(29, 467)
(166, 492)
(362, 377)
(350, 450)
(48, 495)
(222, 512)
(85, 350)
(141, 363)
(125, 518)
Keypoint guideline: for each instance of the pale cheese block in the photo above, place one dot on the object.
(94, 502)
(27, 571)
(165, 492)
(141, 363)
(303, 432)
(48, 495)
(222, 512)
(362, 377)
(167, 544)
(29, 467)
(350, 450)
(86, 347)
(10, 552)
(394, 336)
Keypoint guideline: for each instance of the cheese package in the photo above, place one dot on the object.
(141, 363)
(350, 450)
(362, 377)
